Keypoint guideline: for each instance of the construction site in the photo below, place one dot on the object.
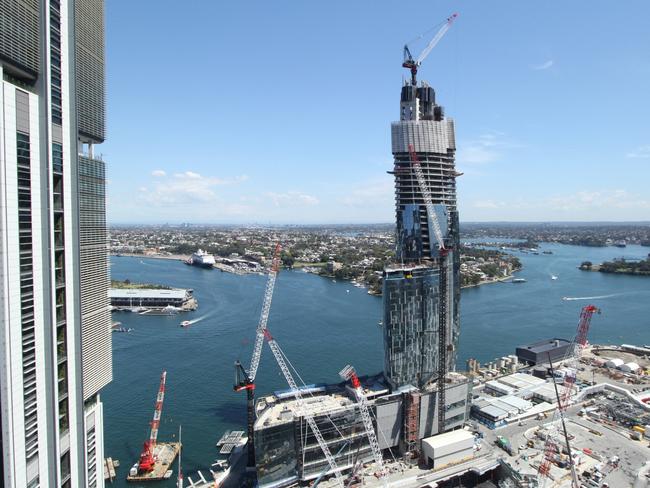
(559, 412)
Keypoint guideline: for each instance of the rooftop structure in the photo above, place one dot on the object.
(538, 352)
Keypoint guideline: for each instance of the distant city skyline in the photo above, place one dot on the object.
(275, 114)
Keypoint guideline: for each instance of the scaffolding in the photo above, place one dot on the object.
(412, 424)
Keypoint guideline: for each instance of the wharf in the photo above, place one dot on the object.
(165, 453)
(109, 468)
(229, 441)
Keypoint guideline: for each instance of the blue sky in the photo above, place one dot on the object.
(279, 112)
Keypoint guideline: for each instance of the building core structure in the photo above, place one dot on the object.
(411, 288)
(404, 398)
(55, 348)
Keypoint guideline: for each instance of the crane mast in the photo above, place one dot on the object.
(348, 373)
(147, 458)
(302, 411)
(573, 356)
(412, 64)
(443, 275)
(245, 380)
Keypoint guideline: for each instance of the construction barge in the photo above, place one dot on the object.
(157, 457)
(165, 454)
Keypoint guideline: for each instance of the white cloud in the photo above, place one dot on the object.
(641, 152)
(373, 193)
(488, 204)
(595, 200)
(543, 66)
(486, 148)
(591, 205)
(158, 173)
(185, 188)
(292, 199)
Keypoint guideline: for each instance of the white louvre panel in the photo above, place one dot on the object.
(426, 136)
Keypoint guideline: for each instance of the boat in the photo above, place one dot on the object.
(519, 280)
(121, 329)
(553, 277)
(547, 252)
(186, 323)
(620, 243)
(202, 259)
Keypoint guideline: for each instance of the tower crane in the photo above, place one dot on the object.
(148, 457)
(574, 351)
(412, 64)
(301, 410)
(245, 380)
(443, 265)
(348, 373)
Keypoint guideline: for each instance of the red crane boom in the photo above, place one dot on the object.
(573, 356)
(148, 458)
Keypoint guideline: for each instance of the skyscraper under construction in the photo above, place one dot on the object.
(417, 396)
(412, 285)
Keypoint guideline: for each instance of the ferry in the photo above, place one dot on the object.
(202, 259)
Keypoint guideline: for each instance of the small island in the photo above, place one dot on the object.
(619, 266)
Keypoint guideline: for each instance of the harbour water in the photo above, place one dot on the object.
(321, 327)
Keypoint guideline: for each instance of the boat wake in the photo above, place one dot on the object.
(592, 298)
(198, 319)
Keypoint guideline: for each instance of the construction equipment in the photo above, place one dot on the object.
(301, 410)
(147, 457)
(412, 64)
(245, 380)
(348, 373)
(570, 361)
(443, 265)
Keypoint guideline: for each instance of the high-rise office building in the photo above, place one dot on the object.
(55, 344)
(412, 295)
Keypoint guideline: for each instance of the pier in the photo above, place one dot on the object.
(152, 301)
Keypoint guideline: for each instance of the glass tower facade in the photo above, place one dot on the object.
(411, 288)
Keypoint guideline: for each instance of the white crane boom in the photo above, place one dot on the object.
(264, 316)
(348, 373)
(426, 195)
(414, 64)
(302, 411)
(436, 39)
